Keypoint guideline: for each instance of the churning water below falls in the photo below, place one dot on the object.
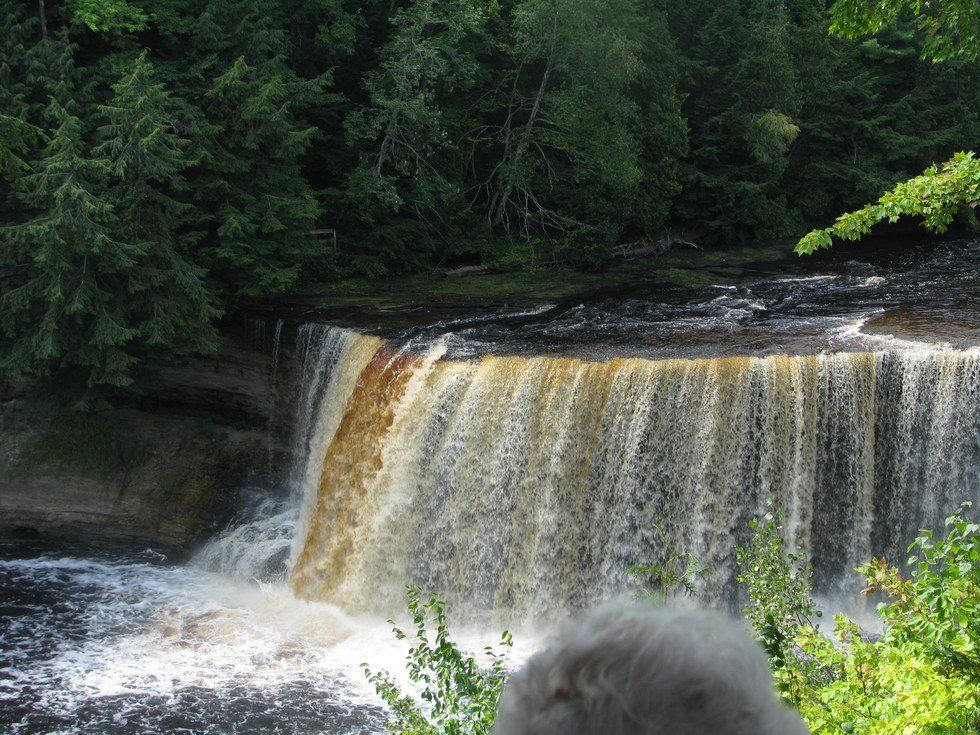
(518, 466)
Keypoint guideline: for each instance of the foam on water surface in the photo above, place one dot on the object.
(129, 645)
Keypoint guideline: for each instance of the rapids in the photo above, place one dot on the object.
(517, 463)
(127, 644)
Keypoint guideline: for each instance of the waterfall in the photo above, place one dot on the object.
(262, 543)
(525, 486)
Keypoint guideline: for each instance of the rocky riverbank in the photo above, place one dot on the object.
(164, 472)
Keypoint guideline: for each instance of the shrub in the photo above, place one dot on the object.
(680, 571)
(920, 677)
(456, 695)
(778, 581)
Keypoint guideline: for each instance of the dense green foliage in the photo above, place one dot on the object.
(951, 31)
(952, 26)
(265, 144)
(922, 675)
(778, 584)
(456, 696)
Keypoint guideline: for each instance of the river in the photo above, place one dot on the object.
(518, 463)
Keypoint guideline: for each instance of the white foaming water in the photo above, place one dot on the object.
(851, 333)
(256, 547)
(163, 628)
(806, 279)
(132, 646)
(731, 304)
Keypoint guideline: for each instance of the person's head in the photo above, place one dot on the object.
(636, 669)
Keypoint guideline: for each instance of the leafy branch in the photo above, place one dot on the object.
(935, 196)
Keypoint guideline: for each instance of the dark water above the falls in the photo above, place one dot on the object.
(923, 296)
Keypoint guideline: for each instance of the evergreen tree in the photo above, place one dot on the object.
(740, 89)
(16, 137)
(939, 192)
(568, 146)
(406, 185)
(62, 311)
(663, 132)
(403, 128)
(252, 136)
(97, 286)
(16, 133)
(839, 117)
(32, 70)
(173, 310)
(875, 114)
(15, 30)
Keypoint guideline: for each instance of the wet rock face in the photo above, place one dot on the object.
(232, 384)
(159, 481)
(165, 473)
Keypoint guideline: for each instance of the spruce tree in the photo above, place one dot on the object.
(741, 97)
(569, 142)
(62, 310)
(641, 211)
(16, 137)
(172, 306)
(32, 69)
(406, 188)
(253, 138)
(98, 284)
(17, 134)
(404, 129)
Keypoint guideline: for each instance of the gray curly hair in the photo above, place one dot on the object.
(635, 669)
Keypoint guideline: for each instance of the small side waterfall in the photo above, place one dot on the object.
(524, 486)
(264, 541)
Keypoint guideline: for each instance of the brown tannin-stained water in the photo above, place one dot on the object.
(517, 464)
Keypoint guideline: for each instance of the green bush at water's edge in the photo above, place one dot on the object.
(920, 677)
(457, 696)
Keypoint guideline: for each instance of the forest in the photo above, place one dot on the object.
(216, 484)
(164, 163)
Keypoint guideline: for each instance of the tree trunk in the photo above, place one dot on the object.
(498, 215)
(44, 20)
